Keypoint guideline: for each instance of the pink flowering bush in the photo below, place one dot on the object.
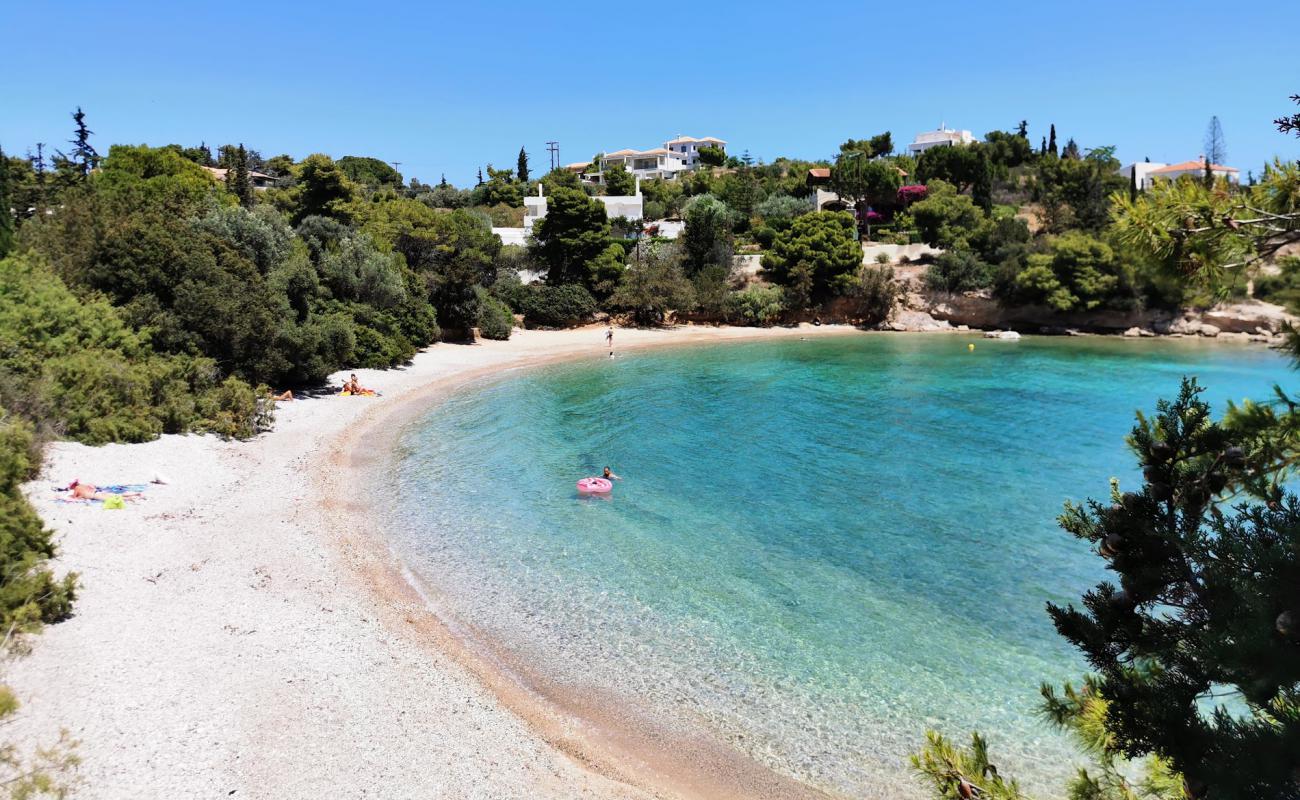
(911, 193)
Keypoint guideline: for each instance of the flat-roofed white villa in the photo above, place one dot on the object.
(1148, 172)
(942, 137)
(656, 163)
(678, 155)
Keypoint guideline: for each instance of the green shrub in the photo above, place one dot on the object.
(757, 305)
(495, 320)
(958, 271)
(557, 306)
(509, 289)
(876, 291)
(29, 593)
(1282, 288)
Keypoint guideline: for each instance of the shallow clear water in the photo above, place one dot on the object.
(819, 549)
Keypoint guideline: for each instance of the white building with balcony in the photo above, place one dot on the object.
(648, 164)
(943, 137)
(687, 148)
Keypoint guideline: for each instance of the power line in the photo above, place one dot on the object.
(554, 149)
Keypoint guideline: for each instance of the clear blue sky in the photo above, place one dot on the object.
(449, 87)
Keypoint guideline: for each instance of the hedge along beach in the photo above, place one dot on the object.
(245, 631)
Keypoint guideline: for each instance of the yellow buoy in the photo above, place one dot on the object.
(970, 346)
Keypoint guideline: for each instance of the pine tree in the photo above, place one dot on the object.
(521, 169)
(84, 157)
(1207, 606)
(6, 210)
(1023, 129)
(443, 183)
(480, 177)
(1051, 141)
(1071, 150)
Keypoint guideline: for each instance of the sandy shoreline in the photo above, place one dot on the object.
(241, 632)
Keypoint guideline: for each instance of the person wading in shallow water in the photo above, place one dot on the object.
(609, 340)
(609, 476)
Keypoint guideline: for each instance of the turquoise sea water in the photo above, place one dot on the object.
(819, 549)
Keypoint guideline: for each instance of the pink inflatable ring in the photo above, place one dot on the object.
(594, 486)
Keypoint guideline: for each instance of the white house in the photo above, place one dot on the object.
(1148, 172)
(943, 137)
(629, 206)
(656, 163)
(1143, 170)
(687, 148)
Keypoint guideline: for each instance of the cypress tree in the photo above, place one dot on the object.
(6, 212)
(1051, 141)
(1043, 150)
(982, 186)
(38, 164)
(242, 184)
(1209, 174)
(1133, 183)
(521, 169)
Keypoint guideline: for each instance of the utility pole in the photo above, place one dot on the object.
(554, 149)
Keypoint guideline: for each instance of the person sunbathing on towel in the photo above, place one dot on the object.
(88, 491)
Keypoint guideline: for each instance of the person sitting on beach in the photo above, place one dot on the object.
(285, 395)
(609, 476)
(353, 386)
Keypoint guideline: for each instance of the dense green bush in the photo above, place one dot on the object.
(73, 365)
(957, 271)
(876, 292)
(757, 305)
(556, 306)
(495, 319)
(655, 285)
(1078, 273)
(1283, 287)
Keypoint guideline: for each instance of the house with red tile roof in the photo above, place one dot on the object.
(1147, 172)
